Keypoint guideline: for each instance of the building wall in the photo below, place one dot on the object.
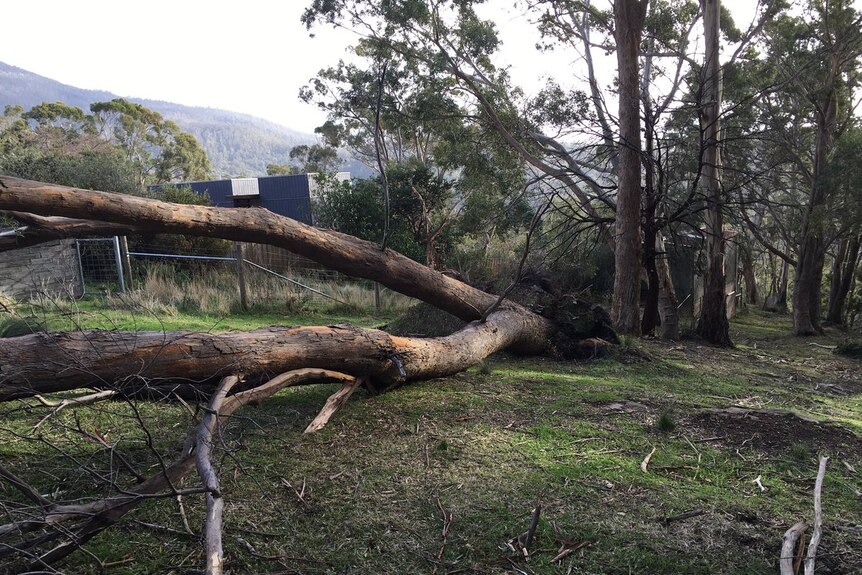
(49, 268)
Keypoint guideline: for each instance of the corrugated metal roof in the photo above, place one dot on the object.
(244, 187)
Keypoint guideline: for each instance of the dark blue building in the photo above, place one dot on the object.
(285, 195)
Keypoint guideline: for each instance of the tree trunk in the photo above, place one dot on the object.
(650, 318)
(651, 315)
(135, 362)
(53, 362)
(843, 270)
(813, 245)
(748, 275)
(713, 325)
(668, 302)
(629, 18)
(782, 285)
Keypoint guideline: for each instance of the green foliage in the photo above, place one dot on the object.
(161, 151)
(665, 423)
(107, 170)
(850, 348)
(356, 208)
(57, 143)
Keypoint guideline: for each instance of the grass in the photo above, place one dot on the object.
(365, 494)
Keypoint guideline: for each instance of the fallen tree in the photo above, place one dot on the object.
(32, 364)
(250, 365)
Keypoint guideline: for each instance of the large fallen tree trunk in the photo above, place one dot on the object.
(53, 362)
(49, 362)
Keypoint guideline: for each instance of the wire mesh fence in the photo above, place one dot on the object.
(99, 266)
(211, 276)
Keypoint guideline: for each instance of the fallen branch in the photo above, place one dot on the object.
(786, 563)
(333, 404)
(818, 519)
(526, 538)
(447, 524)
(682, 516)
(209, 477)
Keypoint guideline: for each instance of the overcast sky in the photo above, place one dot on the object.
(250, 56)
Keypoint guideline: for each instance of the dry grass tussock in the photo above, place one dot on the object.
(165, 290)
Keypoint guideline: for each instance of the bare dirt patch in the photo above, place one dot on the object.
(776, 431)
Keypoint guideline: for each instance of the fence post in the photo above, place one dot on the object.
(240, 275)
(127, 262)
(377, 296)
(80, 268)
(118, 261)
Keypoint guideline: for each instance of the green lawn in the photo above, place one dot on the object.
(368, 494)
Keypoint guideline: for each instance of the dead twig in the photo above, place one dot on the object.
(566, 550)
(447, 524)
(333, 404)
(681, 516)
(818, 519)
(60, 405)
(526, 538)
(645, 462)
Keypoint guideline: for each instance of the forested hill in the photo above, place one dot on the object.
(236, 144)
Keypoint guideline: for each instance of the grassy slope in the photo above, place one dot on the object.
(365, 494)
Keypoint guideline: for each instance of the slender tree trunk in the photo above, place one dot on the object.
(629, 18)
(651, 315)
(713, 325)
(783, 283)
(748, 275)
(668, 302)
(843, 270)
(650, 318)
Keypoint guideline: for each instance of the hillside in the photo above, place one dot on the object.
(236, 144)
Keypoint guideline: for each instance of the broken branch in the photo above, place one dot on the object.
(818, 519)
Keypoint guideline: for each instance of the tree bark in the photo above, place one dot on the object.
(713, 325)
(629, 16)
(783, 282)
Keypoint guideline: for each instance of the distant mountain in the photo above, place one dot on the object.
(236, 144)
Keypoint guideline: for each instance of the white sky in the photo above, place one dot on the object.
(250, 56)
